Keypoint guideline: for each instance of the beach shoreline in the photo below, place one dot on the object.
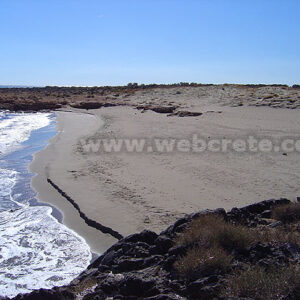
(97, 241)
(34, 239)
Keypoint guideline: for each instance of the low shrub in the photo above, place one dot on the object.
(211, 230)
(259, 283)
(289, 234)
(212, 242)
(287, 213)
(205, 261)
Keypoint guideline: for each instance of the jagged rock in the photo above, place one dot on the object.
(47, 295)
(266, 214)
(111, 256)
(128, 264)
(218, 211)
(92, 105)
(153, 260)
(108, 104)
(174, 228)
(208, 292)
(141, 266)
(140, 249)
(180, 224)
(158, 109)
(178, 250)
(268, 254)
(110, 284)
(163, 109)
(145, 236)
(88, 105)
(183, 113)
(258, 208)
(195, 288)
(135, 286)
(162, 244)
(249, 215)
(33, 106)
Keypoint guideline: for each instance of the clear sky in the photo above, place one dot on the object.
(112, 42)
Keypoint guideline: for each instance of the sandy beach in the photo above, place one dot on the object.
(58, 150)
(129, 192)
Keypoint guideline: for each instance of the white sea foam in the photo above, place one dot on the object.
(8, 179)
(37, 251)
(15, 129)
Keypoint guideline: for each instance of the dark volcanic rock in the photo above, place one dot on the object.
(33, 106)
(162, 244)
(145, 236)
(141, 266)
(184, 113)
(127, 265)
(136, 286)
(158, 109)
(44, 294)
(163, 109)
(93, 105)
(88, 105)
(249, 215)
(258, 208)
(181, 224)
(202, 288)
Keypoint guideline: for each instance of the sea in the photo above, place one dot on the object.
(36, 249)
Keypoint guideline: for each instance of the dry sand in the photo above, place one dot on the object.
(129, 192)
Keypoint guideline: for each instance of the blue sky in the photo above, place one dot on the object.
(112, 42)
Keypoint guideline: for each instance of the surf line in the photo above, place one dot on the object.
(88, 221)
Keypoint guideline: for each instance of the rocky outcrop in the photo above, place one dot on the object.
(156, 97)
(184, 113)
(93, 105)
(163, 109)
(30, 106)
(254, 214)
(158, 109)
(141, 266)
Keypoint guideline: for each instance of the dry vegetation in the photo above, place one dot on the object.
(209, 240)
(287, 213)
(84, 286)
(204, 261)
(212, 245)
(258, 283)
(209, 230)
